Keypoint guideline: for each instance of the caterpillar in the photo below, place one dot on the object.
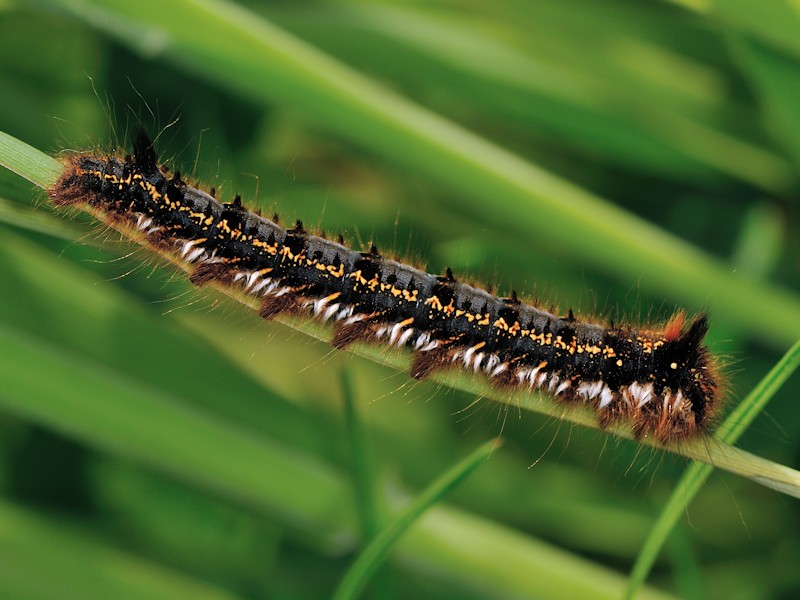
(663, 381)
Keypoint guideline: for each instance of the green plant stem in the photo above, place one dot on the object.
(369, 508)
(363, 466)
(697, 474)
(373, 556)
(28, 162)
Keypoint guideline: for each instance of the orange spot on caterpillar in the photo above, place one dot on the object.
(673, 328)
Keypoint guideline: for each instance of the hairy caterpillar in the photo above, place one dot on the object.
(662, 381)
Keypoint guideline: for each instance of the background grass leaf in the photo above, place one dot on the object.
(622, 158)
(774, 76)
(697, 474)
(374, 553)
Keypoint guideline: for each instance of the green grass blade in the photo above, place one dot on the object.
(697, 474)
(370, 506)
(775, 77)
(370, 510)
(755, 402)
(530, 568)
(363, 462)
(776, 22)
(490, 60)
(375, 553)
(49, 558)
(30, 163)
(130, 420)
(269, 65)
(12, 213)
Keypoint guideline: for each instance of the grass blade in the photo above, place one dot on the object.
(370, 510)
(30, 163)
(775, 77)
(375, 553)
(363, 467)
(49, 558)
(697, 474)
(129, 420)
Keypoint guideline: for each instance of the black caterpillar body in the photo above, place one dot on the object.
(663, 381)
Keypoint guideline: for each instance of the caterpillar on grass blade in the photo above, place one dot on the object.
(663, 381)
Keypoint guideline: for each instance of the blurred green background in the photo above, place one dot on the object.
(156, 442)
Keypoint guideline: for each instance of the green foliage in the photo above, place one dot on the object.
(621, 158)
